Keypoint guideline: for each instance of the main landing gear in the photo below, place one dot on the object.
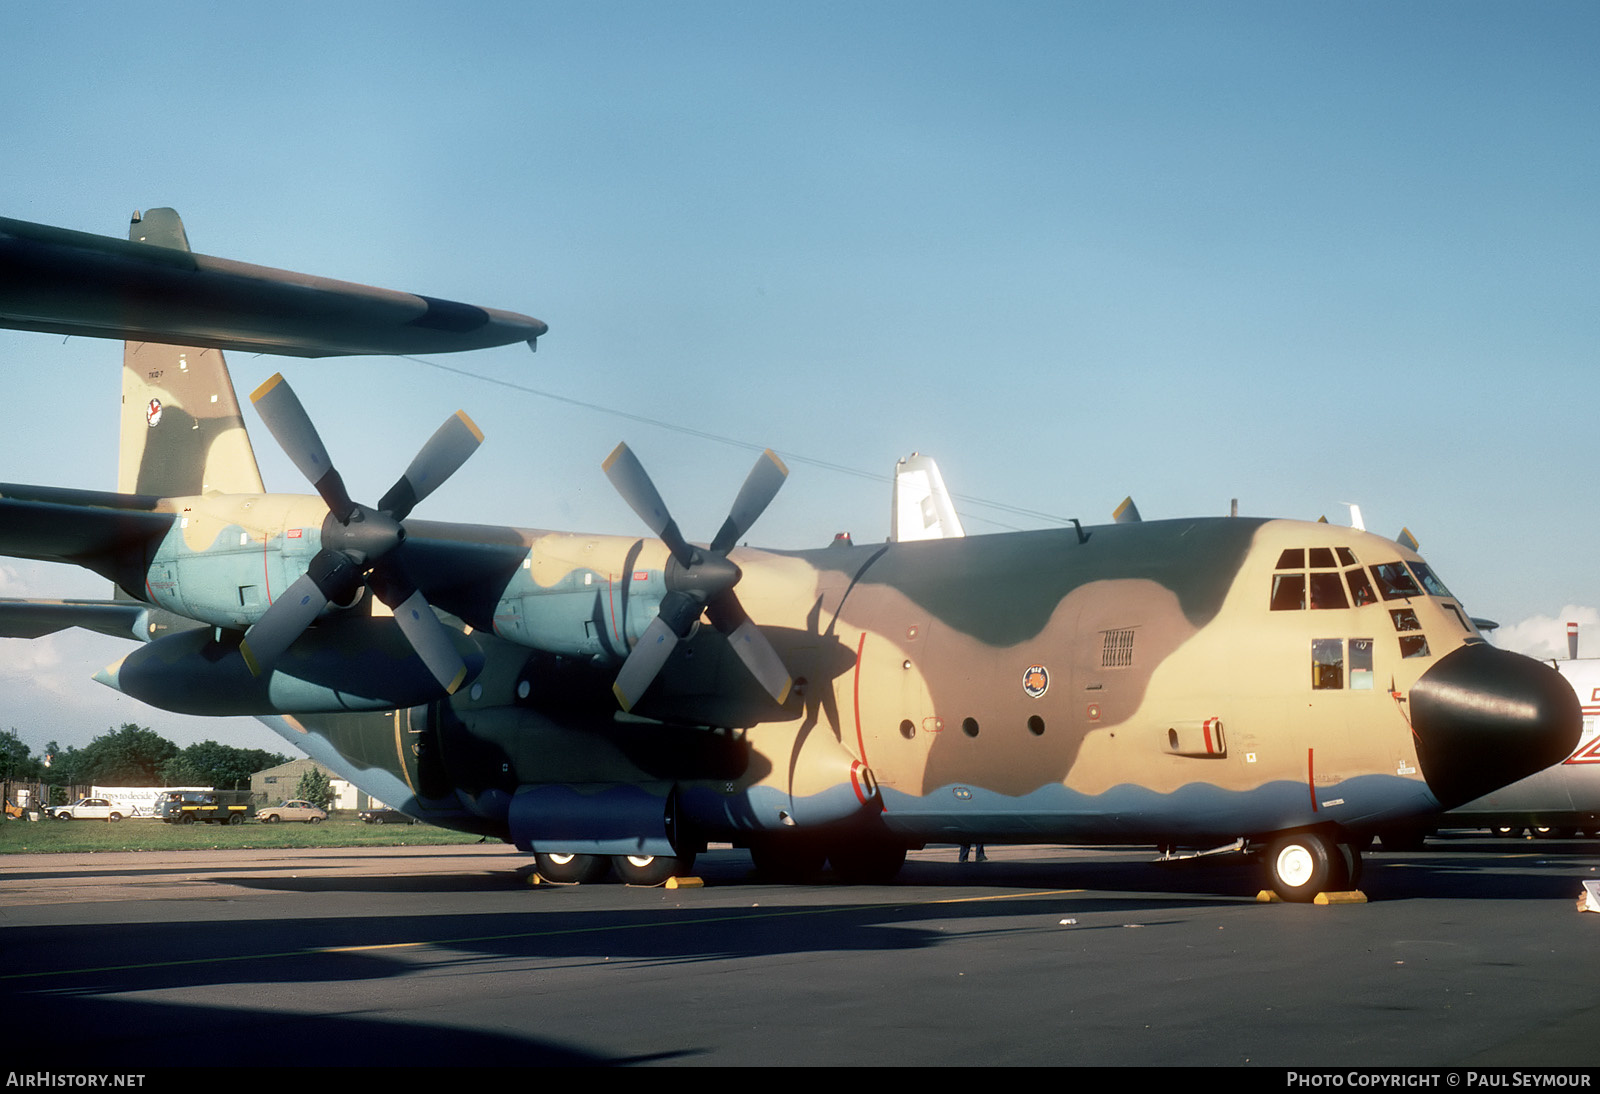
(569, 869)
(1303, 864)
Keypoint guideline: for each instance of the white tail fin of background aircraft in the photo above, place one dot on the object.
(922, 508)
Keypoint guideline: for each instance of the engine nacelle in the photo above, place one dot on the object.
(354, 665)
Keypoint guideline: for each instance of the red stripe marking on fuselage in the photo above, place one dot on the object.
(861, 744)
(611, 598)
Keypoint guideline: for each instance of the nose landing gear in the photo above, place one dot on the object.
(1303, 864)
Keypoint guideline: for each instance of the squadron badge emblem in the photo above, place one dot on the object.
(1035, 680)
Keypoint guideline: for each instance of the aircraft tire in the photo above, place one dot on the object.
(867, 863)
(792, 861)
(564, 869)
(1303, 864)
(1350, 854)
(650, 869)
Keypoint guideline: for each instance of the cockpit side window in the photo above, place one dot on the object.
(1394, 581)
(1360, 588)
(1405, 619)
(1427, 580)
(1327, 663)
(1360, 664)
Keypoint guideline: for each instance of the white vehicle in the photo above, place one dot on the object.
(92, 809)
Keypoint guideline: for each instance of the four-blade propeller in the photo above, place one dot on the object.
(358, 543)
(698, 579)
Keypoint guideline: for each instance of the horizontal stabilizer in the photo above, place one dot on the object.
(37, 618)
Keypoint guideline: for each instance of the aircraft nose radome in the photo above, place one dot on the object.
(1485, 718)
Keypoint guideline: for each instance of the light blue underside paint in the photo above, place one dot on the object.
(1198, 811)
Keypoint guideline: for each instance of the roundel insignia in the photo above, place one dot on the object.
(1035, 680)
(152, 413)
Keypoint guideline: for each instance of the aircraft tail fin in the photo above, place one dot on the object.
(922, 507)
(182, 432)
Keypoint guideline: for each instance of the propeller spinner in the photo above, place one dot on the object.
(358, 543)
(698, 579)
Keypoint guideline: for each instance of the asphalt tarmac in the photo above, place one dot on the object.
(1470, 953)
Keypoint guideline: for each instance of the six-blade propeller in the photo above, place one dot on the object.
(358, 543)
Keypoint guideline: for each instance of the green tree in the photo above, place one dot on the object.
(17, 760)
(217, 765)
(316, 788)
(131, 755)
(64, 764)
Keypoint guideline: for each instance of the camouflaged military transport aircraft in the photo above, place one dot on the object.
(1210, 684)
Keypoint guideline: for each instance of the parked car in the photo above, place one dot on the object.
(91, 809)
(385, 815)
(295, 810)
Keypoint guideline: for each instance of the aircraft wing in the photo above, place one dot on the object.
(83, 527)
(64, 282)
(37, 618)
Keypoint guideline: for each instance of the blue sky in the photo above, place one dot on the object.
(1294, 254)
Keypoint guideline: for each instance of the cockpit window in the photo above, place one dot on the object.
(1405, 619)
(1360, 588)
(1429, 582)
(1288, 592)
(1360, 664)
(1413, 645)
(1327, 591)
(1394, 581)
(1325, 587)
(1327, 663)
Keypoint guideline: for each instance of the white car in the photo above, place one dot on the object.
(292, 811)
(92, 809)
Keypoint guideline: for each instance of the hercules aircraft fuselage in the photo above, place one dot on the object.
(1182, 682)
(1204, 684)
